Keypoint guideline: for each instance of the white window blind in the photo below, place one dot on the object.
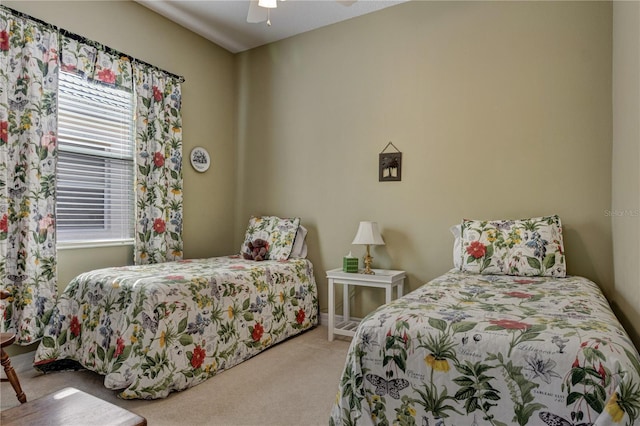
(95, 172)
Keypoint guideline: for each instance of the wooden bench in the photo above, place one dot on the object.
(68, 407)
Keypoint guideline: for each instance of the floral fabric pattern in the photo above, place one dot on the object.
(28, 156)
(491, 349)
(279, 233)
(77, 57)
(158, 232)
(94, 62)
(154, 329)
(528, 247)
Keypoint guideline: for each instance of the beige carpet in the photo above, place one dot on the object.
(292, 383)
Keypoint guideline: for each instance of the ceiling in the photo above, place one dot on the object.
(224, 22)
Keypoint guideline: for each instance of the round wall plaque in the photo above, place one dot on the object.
(199, 158)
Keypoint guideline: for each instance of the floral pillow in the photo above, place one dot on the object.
(279, 234)
(527, 247)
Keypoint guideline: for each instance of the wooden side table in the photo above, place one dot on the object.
(383, 278)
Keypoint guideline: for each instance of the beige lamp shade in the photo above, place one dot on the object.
(269, 4)
(368, 233)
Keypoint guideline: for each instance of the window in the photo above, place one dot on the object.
(95, 173)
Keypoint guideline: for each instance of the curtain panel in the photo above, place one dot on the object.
(28, 152)
(158, 232)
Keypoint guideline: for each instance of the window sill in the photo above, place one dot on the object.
(71, 245)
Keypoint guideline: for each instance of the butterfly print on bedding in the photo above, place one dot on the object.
(503, 225)
(215, 290)
(106, 331)
(258, 305)
(384, 386)
(94, 298)
(555, 420)
(301, 293)
(199, 325)
(149, 323)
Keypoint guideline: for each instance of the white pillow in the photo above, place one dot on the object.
(457, 246)
(299, 244)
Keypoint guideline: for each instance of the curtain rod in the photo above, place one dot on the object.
(82, 39)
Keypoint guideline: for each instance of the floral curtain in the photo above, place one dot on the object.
(28, 151)
(158, 232)
(95, 62)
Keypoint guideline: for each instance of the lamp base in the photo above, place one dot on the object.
(367, 263)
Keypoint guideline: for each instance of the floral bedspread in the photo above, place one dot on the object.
(470, 349)
(154, 329)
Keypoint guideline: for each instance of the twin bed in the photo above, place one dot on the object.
(154, 329)
(504, 338)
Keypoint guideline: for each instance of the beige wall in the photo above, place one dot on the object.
(501, 110)
(625, 217)
(208, 112)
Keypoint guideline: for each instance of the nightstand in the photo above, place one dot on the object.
(383, 278)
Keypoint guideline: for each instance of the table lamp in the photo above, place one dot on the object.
(368, 234)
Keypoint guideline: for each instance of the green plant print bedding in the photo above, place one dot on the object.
(468, 349)
(154, 329)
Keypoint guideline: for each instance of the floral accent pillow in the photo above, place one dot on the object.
(279, 234)
(526, 247)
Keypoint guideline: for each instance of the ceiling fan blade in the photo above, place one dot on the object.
(256, 13)
(346, 2)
